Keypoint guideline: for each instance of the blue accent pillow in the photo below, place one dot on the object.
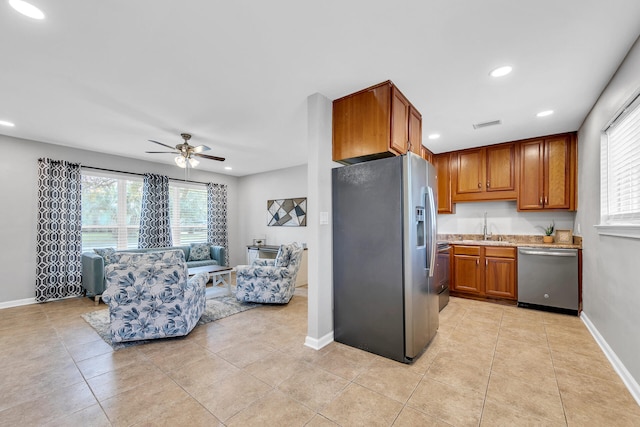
(107, 255)
(199, 252)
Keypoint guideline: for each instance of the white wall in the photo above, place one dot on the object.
(611, 287)
(320, 313)
(18, 192)
(253, 193)
(502, 218)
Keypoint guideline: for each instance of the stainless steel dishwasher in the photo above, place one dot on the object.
(548, 279)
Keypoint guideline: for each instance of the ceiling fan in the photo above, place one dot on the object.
(186, 153)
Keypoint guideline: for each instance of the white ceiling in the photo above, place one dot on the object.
(109, 75)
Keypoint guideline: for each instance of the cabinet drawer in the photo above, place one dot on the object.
(466, 250)
(501, 252)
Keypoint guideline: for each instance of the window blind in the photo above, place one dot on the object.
(188, 212)
(620, 168)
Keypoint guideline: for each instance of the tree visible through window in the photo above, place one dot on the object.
(111, 211)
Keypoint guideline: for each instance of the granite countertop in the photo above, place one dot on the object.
(516, 240)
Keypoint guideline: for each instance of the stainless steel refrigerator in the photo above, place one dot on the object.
(385, 299)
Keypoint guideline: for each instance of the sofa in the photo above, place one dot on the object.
(271, 281)
(150, 296)
(93, 278)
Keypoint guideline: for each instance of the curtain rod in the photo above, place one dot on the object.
(139, 174)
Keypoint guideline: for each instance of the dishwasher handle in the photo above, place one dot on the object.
(571, 253)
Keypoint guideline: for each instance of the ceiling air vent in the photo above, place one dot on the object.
(487, 124)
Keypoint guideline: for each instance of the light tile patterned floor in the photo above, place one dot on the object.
(489, 365)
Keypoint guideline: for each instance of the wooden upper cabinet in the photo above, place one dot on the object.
(399, 121)
(486, 173)
(374, 123)
(442, 163)
(548, 173)
(415, 132)
(500, 168)
(470, 168)
(427, 154)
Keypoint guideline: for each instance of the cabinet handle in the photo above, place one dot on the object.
(477, 262)
(546, 200)
(488, 184)
(540, 200)
(479, 185)
(486, 263)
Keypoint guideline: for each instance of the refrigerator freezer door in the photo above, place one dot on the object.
(416, 263)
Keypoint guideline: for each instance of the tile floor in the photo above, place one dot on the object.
(488, 365)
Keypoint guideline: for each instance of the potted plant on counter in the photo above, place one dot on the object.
(548, 231)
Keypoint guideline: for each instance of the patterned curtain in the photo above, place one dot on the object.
(155, 226)
(217, 217)
(59, 231)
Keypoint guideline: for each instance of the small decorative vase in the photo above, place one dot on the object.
(547, 239)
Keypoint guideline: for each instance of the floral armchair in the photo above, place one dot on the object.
(150, 296)
(268, 280)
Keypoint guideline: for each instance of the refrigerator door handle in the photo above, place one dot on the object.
(432, 231)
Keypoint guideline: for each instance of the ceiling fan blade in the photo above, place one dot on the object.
(206, 156)
(158, 152)
(200, 148)
(164, 145)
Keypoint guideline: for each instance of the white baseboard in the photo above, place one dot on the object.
(318, 343)
(17, 303)
(618, 366)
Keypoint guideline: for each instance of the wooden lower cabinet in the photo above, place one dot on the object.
(484, 271)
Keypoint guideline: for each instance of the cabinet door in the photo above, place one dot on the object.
(556, 180)
(399, 122)
(443, 171)
(531, 175)
(466, 271)
(500, 168)
(362, 124)
(500, 277)
(415, 131)
(470, 171)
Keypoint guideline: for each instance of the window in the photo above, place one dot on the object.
(620, 172)
(188, 212)
(111, 205)
(110, 210)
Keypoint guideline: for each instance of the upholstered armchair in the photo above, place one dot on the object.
(150, 296)
(270, 281)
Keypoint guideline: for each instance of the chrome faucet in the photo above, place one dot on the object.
(485, 235)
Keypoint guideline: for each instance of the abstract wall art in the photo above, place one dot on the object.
(287, 212)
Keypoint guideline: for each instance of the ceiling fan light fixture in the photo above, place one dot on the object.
(193, 162)
(180, 161)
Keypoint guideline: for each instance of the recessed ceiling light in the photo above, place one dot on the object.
(228, 168)
(26, 9)
(545, 113)
(6, 123)
(501, 71)
(434, 136)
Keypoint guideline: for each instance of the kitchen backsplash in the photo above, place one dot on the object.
(502, 218)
